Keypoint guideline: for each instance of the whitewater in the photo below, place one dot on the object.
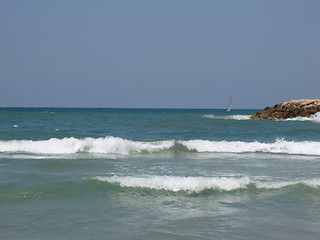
(157, 174)
(116, 145)
(199, 184)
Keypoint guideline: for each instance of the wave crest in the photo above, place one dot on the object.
(175, 184)
(228, 117)
(199, 184)
(315, 118)
(279, 146)
(116, 145)
(111, 145)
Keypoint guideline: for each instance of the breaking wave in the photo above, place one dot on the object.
(279, 146)
(315, 118)
(112, 145)
(199, 184)
(116, 145)
(231, 117)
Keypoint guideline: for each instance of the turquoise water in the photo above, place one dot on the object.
(157, 174)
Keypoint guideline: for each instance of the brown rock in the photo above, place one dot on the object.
(290, 109)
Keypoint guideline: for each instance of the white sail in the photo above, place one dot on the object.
(229, 105)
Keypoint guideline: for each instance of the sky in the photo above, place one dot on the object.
(158, 54)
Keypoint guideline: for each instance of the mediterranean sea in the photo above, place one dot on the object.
(157, 174)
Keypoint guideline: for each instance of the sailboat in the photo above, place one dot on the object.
(229, 105)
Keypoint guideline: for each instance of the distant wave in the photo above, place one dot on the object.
(199, 184)
(116, 145)
(228, 117)
(315, 117)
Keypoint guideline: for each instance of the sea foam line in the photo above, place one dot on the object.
(116, 145)
(175, 184)
(111, 145)
(315, 118)
(199, 184)
(279, 146)
(228, 117)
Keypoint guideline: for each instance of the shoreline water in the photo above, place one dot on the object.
(157, 174)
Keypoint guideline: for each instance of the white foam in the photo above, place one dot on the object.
(175, 184)
(240, 117)
(279, 146)
(112, 145)
(228, 117)
(198, 184)
(315, 183)
(116, 145)
(315, 118)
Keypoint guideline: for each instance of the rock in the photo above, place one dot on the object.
(290, 109)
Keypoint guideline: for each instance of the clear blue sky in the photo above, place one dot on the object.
(167, 54)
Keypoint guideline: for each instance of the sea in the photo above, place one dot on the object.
(86, 174)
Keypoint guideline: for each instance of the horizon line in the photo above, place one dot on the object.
(173, 108)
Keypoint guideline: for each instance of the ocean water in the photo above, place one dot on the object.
(157, 174)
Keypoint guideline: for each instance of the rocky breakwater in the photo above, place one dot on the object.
(290, 109)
